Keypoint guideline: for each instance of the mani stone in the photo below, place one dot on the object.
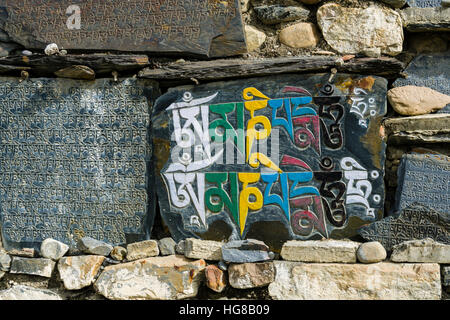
(21, 292)
(53, 249)
(424, 3)
(93, 246)
(200, 190)
(371, 252)
(90, 141)
(355, 30)
(156, 278)
(215, 278)
(251, 275)
(423, 179)
(414, 222)
(79, 271)
(203, 249)
(413, 100)
(33, 266)
(167, 246)
(320, 251)
(435, 19)
(300, 35)
(243, 251)
(336, 281)
(276, 14)
(142, 249)
(424, 250)
(201, 27)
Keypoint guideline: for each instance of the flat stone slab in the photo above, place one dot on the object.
(320, 251)
(423, 179)
(426, 19)
(429, 70)
(203, 249)
(79, 154)
(251, 275)
(244, 251)
(425, 250)
(142, 249)
(201, 27)
(33, 266)
(316, 172)
(156, 278)
(21, 292)
(414, 222)
(378, 281)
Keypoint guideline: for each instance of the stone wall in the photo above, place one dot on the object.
(400, 252)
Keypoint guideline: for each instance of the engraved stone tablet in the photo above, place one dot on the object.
(424, 3)
(414, 222)
(199, 27)
(74, 160)
(429, 70)
(424, 178)
(287, 156)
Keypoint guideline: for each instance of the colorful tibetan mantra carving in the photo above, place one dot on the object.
(303, 155)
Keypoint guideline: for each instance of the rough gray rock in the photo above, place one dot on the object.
(79, 271)
(53, 249)
(93, 246)
(142, 249)
(274, 14)
(243, 251)
(167, 246)
(33, 266)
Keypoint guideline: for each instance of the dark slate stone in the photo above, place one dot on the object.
(245, 251)
(197, 27)
(424, 178)
(415, 222)
(429, 70)
(32, 266)
(321, 164)
(424, 3)
(74, 159)
(276, 14)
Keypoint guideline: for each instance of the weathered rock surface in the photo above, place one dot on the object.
(371, 252)
(167, 246)
(425, 250)
(53, 249)
(79, 271)
(21, 292)
(355, 30)
(181, 245)
(413, 100)
(320, 251)
(215, 278)
(118, 253)
(93, 246)
(33, 266)
(378, 281)
(251, 275)
(426, 19)
(5, 261)
(395, 3)
(445, 276)
(24, 252)
(76, 72)
(300, 35)
(142, 249)
(255, 38)
(156, 278)
(203, 249)
(276, 14)
(242, 251)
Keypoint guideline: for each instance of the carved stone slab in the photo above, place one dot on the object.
(74, 160)
(199, 27)
(429, 70)
(414, 222)
(281, 157)
(424, 178)
(424, 3)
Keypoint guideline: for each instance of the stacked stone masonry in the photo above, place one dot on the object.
(167, 150)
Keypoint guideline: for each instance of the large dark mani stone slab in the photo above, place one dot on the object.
(429, 70)
(424, 3)
(414, 222)
(75, 160)
(198, 27)
(289, 154)
(424, 178)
